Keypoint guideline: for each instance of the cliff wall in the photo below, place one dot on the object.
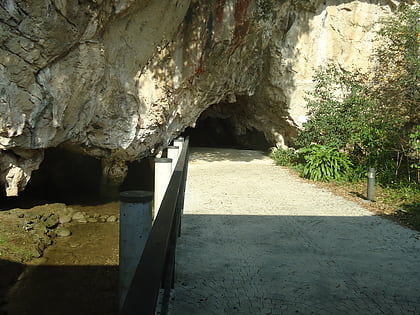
(118, 79)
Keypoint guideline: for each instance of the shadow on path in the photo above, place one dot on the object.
(258, 240)
(296, 265)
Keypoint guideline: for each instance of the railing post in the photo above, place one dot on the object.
(135, 226)
(181, 199)
(173, 153)
(179, 142)
(163, 172)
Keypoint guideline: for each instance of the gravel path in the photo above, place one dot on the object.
(258, 240)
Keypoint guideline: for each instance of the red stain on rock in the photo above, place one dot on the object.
(241, 23)
(199, 70)
(220, 6)
(241, 6)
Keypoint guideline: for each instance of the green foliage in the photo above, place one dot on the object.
(357, 121)
(283, 157)
(396, 82)
(397, 77)
(374, 118)
(315, 162)
(414, 151)
(408, 199)
(324, 163)
(338, 110)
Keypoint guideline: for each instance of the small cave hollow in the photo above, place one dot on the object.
(74, 178)
(218, 128)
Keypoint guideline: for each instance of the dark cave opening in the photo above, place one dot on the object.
(73, 178)
(215, 131)
(212, 132)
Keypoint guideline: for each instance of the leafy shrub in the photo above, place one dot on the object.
(324, 163)
(373, 117)
(397, 73)
(338, 109)
(283, 157)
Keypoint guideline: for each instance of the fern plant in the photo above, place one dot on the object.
(324, 163)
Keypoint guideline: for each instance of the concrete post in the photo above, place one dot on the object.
(371, 185)
(135, 226)
(179, 142)
(173, 153)
(163, 173)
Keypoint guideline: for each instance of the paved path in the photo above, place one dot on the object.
(257, 240)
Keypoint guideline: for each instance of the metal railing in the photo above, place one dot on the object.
(155, 271)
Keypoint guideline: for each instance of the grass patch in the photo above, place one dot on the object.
(406, 202)
(3, 240)
(398, 201)
(401, 203)
(25, 254)
(15, 244)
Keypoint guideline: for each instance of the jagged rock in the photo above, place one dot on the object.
(129, 76)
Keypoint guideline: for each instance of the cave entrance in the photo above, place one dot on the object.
(223, 126)
(73, 178)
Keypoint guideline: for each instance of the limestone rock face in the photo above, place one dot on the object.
(118, 79)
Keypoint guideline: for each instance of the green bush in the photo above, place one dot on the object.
(339, 110)
(397, 75)
(324, 163)
(373, 117)
(283, 157)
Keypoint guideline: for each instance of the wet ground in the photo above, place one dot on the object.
(77, 274)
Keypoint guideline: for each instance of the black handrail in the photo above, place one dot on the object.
(156, 266)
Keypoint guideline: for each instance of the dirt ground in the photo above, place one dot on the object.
(76, 274)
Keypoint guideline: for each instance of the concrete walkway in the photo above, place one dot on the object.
(257, 240)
